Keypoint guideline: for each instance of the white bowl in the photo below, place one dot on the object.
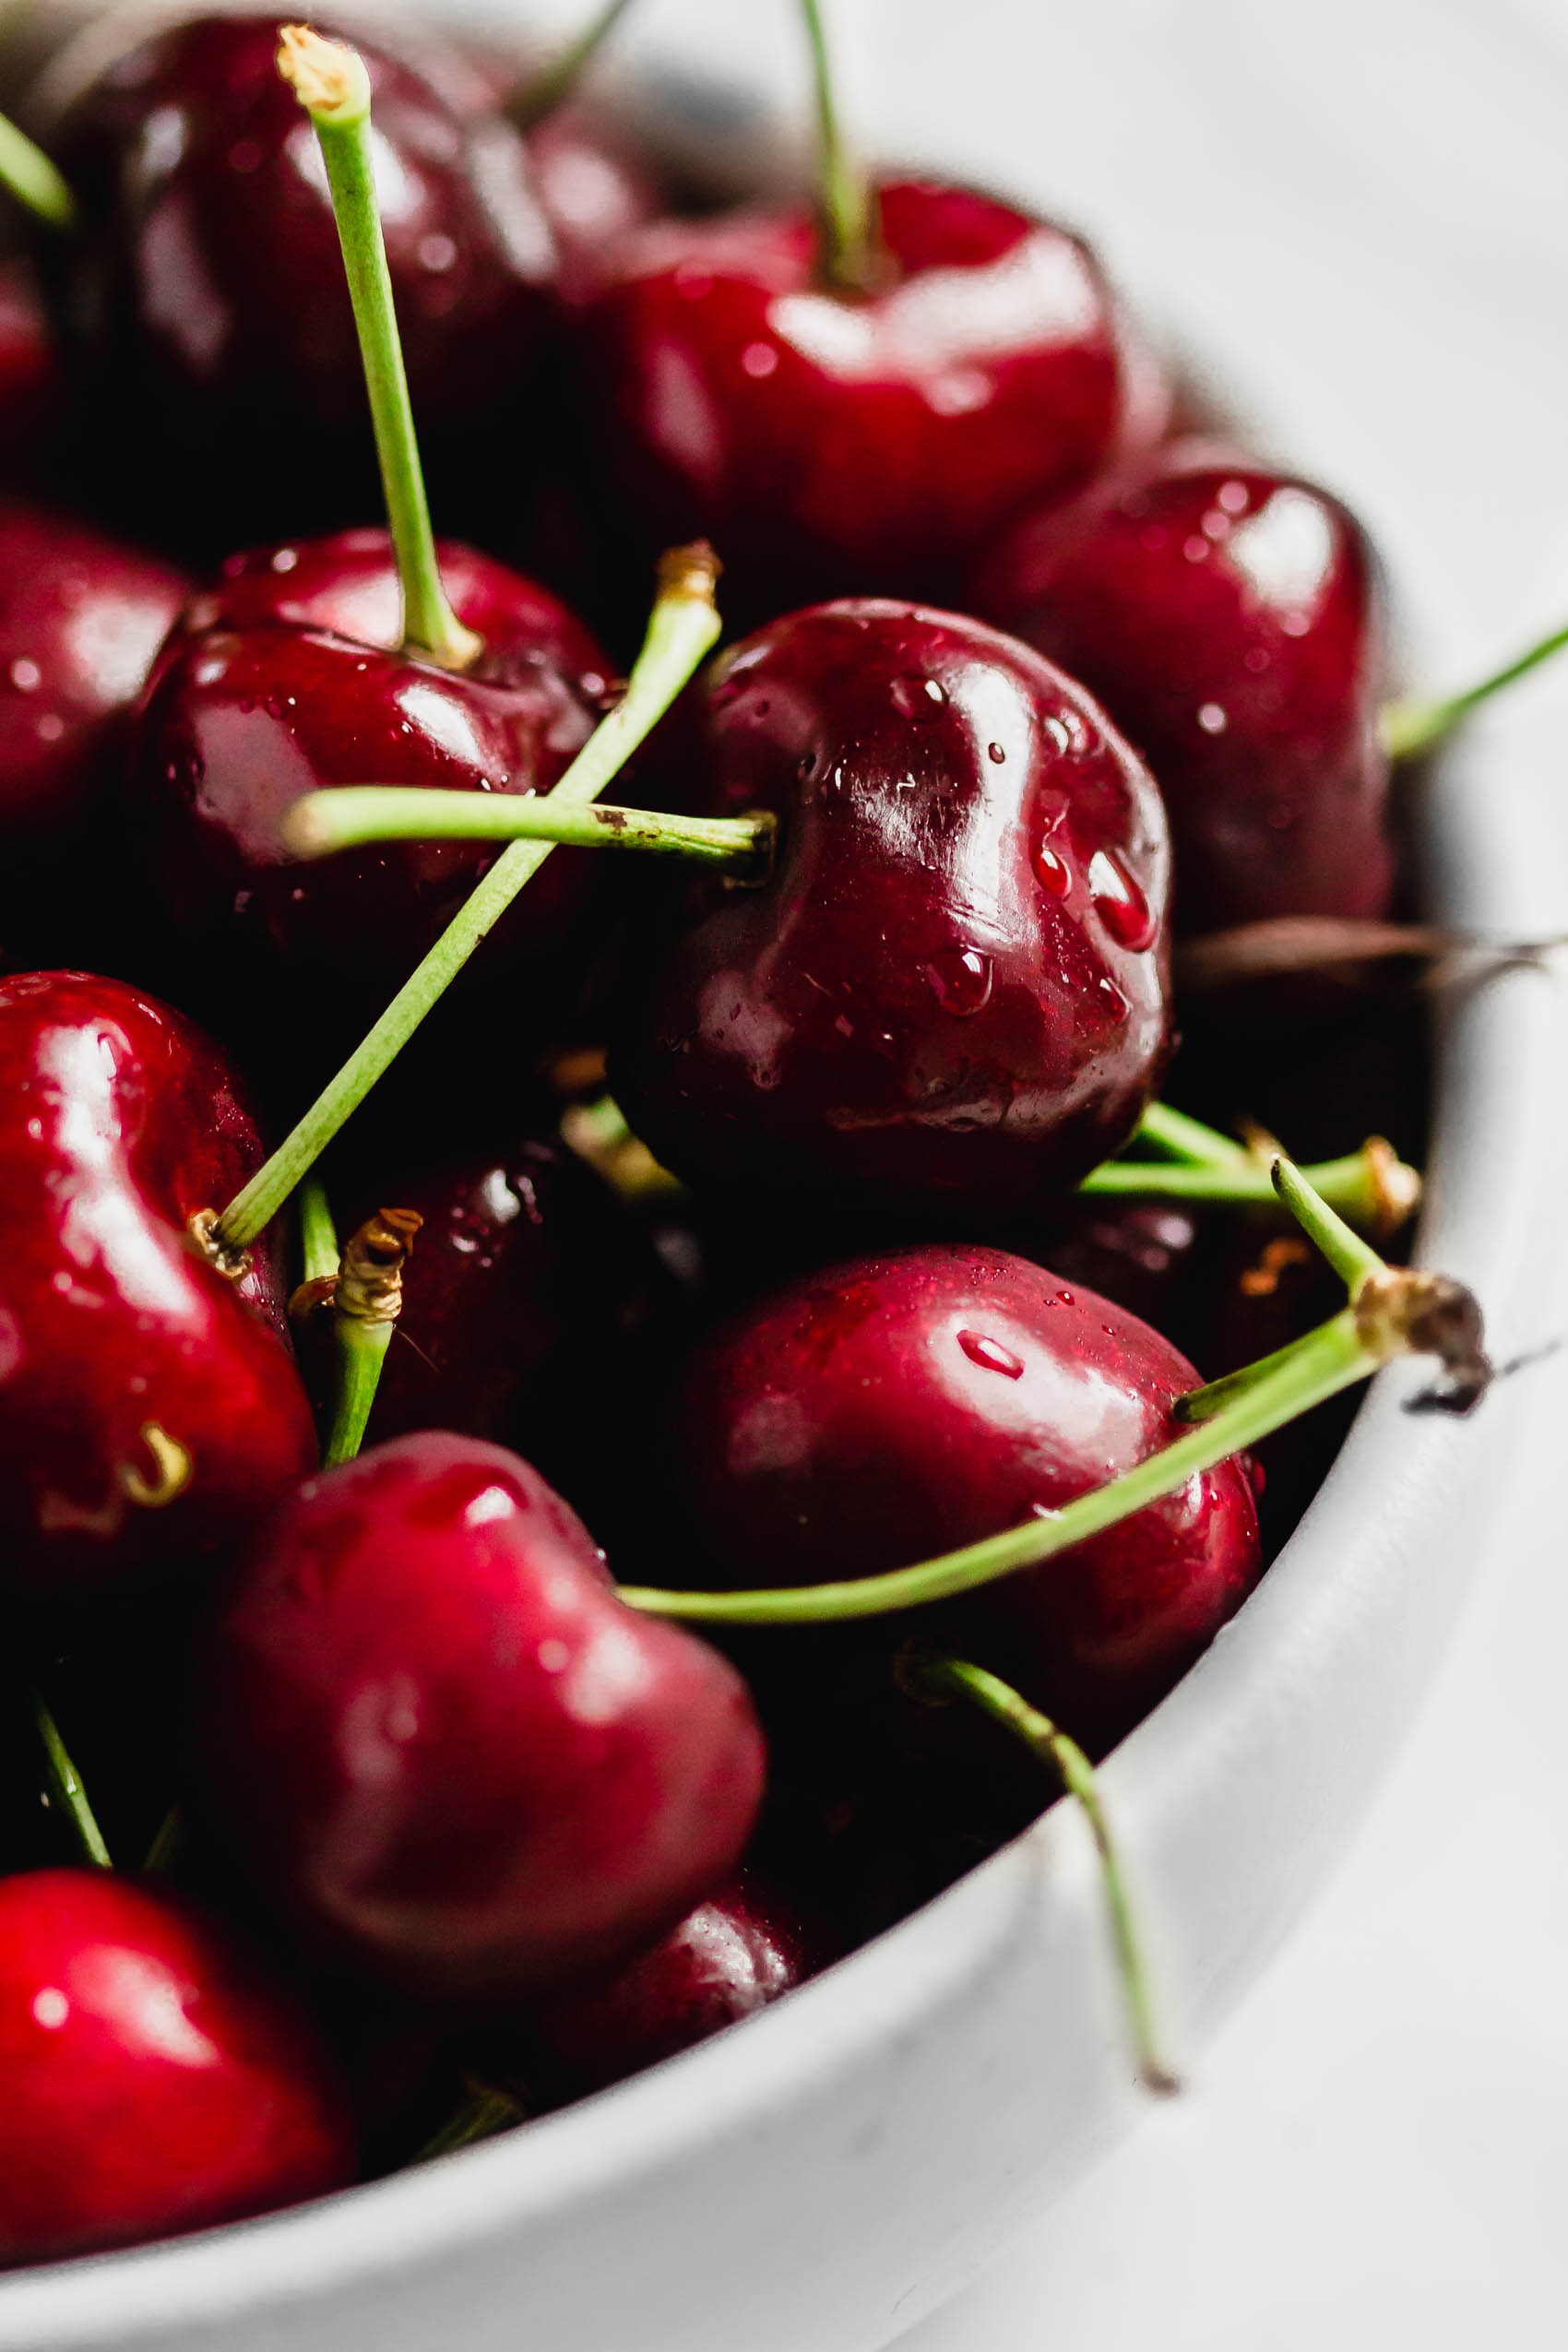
(819, 2177)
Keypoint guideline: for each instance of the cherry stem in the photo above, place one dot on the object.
(484, 2113)
(27, 172)
(682, 628)
(1394, 1312)
(346, 816)
(845, 195)
(1412, 727)
(365, 1307)
(319, 1253)
(1173, 1135)
(1373, 1185)
(65, 1787)
(333, 86)
(940, 1679)
(544, 93)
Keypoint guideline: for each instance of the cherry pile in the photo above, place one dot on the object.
(787, 1203)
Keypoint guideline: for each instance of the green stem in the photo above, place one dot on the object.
(319, 1235)
(361, 1351)
(1352, 1259)
(332, 85)
(347, 816)
(1173, 1135)
(168, 1844)
(954, 1677)
(1409, 728)
(366, 1306)
(484, 2111)
(845, 194)
(1371, 1185)
(66, 1786)
(681, 629)
(33, 179)
(546, 90)
(1334, 1357)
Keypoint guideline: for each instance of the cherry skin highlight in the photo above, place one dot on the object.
(288, 678)
(156, 2081)
(903, 1404)
(952, 985)
(146, 1411)
(726, 1960)
(452, 1759)
(204, 282)
(1228, 618)
(81, 617)
(828, 442)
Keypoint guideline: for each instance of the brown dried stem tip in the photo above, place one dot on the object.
(370, 1281)
(1407, 1311)
(689, 571)
(326, 77)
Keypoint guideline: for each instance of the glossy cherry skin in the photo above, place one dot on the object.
(1228, 617)
(828, 445)
(727, 1959)
(593, 189)
(288, 678)
(155, 2081)
(121, 1120)
(81, 617)
(952, 986)
(452, 1757)
(887, 1410)
(205, 282)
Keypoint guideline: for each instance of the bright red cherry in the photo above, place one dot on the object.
(884, 1411)
(952, 984)
(81, 616)
(288, 677)
(727, 1959)
(1228, 618)
(147, 1413)
(204, 283)
(155, 2081)
(454, 1758)
(829, 442)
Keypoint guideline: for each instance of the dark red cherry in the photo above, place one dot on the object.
(31, 385)
(288, 677)
(951, 983)
(1228, 618)
(147, 1413)
(828, 443)
(727, 1959)
(155, 2079)
(452, 1757)
(593, 188)
(81, 616)
(884, 1411)
(203, 289)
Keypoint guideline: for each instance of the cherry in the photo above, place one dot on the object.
(288, 677)
(204, 284)
(29, 372)
(828, 442)
(903, 1404)
(593, 188)
(146, 1412)
(727, 1959)
(155, 2081)
(453, 1760)
(81, 616)
(1228, 616)
(952, 986)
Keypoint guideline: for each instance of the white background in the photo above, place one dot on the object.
(1376, 2155)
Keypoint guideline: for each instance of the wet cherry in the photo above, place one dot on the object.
(1228, 616)
(829, 442)
(453, 1758)
(155, 2079)
(952, 984)
(898, 1407)
(147, 1413)
(288, 677)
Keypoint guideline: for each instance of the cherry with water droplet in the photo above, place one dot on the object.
(156, 2081)
(905, 1007)
(1228, 616)
(147, 1412)
(450, 1756)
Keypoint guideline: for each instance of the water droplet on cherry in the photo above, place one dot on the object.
(960, 980)
(918, 697)
(1123, 910)
(990, 1354)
